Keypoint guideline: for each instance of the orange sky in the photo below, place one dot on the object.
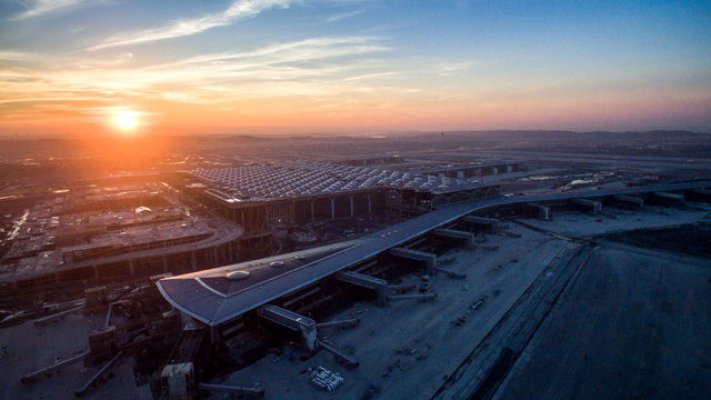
(282, 66)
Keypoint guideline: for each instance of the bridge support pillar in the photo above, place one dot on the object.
(294, 322)
(463, 236)
(592, 206)
(429, 259)
(544, 212)
(366, 281)
(488, 224)
(629, 201)
(668, 198)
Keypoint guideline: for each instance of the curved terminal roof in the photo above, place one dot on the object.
(211, 298)
(302, 178)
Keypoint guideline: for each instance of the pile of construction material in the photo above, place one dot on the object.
(325, 379)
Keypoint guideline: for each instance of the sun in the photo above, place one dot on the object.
(125, 120)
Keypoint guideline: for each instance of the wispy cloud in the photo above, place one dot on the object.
(371, 76)
(185, 27)
(452, 68)
(303, 50)
(106, 61)
(318, 67)
(39, 8)
(344, 15)
(13, 55)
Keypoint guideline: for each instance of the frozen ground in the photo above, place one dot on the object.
(635, 324)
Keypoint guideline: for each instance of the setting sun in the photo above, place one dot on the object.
(125, 120)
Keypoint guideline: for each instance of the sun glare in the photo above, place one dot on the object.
(125, 120)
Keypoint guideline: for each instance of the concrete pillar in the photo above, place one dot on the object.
(482, 223)
(313, 211)
(453, 234)
(544, 212)
(215, 335)
(333, 208)
(629, 201)
(592, 206)
(429, 259)
(352, 206)
(667, 197)
(366, 281)
(370, 206)
(295, 322)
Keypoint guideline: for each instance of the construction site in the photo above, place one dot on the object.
(94, 233)
(386, 277)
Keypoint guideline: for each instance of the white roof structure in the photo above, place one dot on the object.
(304, 178)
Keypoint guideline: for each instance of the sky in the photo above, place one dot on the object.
(91, 67)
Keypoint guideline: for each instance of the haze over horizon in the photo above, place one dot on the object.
(296, 66)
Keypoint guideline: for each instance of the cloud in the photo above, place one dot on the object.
(106, 61)
(343, 15)
(39, 8)
(452, 68)
(185, 27)
(371, 76)
(16, 56)
(316, 67)
(297, 51)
